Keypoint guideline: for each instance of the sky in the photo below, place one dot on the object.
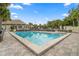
(40, 13)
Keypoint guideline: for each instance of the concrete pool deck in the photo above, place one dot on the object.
(68, 47)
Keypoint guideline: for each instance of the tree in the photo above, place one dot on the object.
(4, 5)
(35, 26)
(67, 21)
(74, 16)
(4, 12)
(49, 24)
(5, 15)
(78, 14)
(30, 25)
(40, 26)
(54, 24)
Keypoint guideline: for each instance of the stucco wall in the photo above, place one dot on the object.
(8, 27)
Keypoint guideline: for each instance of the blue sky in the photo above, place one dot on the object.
(40, 13)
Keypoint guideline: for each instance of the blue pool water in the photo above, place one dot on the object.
(38, 38)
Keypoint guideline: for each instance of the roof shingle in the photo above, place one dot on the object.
(13, 22)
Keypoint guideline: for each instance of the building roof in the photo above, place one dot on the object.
(13, 22)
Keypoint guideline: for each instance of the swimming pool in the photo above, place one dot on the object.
(39, 38)
(39, 42)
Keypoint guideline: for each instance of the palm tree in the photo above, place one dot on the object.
(78, 14)
(4, 13)
(30, 25)
(35, 26)
(4, 5)
(40, 26)
(54, 24)
(74, 15)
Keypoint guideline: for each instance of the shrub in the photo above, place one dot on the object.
(69, 30)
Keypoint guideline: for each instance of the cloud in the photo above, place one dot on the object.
(27, 4)
(67, 4)
(13, 13)
(65, 14)
(15, 16)
(16, 6)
